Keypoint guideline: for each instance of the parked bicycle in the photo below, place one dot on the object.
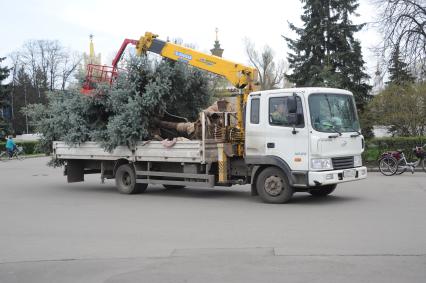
(17, 154)
(395, 162)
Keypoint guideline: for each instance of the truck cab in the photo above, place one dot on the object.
(312, 135)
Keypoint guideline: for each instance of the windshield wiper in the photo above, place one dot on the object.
(353, 129)
(336, 131)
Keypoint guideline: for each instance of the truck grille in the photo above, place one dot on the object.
(343, 162)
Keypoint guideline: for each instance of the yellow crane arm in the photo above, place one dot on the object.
(239, 75)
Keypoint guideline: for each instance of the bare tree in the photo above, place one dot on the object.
(403, 26)
(271, 73)
(48, 63)
(54, 55)
(28, 56)
(37, 67)
(70, 62)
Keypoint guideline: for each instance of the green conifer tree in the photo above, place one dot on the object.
(125, 113)
(4, 100)
(326, 52)
(398, 73)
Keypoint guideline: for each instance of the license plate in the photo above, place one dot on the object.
(349, 173)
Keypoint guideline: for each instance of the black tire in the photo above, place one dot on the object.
(125, 181)
(423, 162)
(388, 165)
(173, 187)
(273, 187)
(323, 190)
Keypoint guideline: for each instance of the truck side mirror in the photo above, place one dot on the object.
(292, 119)
(292, 104)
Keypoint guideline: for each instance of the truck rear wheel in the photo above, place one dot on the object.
(273, 187)
(125, 180)
(323, 191)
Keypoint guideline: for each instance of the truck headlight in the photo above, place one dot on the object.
(357, 161)
(321, 163)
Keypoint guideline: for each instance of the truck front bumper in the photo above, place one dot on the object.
(336, 176)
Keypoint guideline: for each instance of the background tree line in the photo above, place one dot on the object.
(323, 52)
(37, 67)
(401, 105)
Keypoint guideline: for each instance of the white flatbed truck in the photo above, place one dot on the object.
(315, 147)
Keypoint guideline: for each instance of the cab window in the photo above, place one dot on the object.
(278, 113)
(254, 111)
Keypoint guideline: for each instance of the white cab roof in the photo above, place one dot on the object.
(306, 90)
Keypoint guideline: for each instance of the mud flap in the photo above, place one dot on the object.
(75, 171)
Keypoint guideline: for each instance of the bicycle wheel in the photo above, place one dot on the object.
(400, 169)
(3, 156)
(388, 165)
(423, 163)
(19, 153)
(19, 157)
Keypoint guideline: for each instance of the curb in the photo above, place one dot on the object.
(376, 169)
(34, 156)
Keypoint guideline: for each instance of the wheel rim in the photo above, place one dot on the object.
(274, 185)
(126, 179)
(388, 166)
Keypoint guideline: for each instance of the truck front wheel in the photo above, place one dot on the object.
(125, 180)
(273, 187)
(322, 191)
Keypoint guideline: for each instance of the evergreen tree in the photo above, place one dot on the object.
(190, 88)
(326, 52)
(398, 73)
(4, 100)
(125, 113)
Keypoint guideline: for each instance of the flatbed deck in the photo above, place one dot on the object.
(182, 151)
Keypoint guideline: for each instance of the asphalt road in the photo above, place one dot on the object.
(50, 231)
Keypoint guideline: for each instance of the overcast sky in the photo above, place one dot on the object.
(71, 22)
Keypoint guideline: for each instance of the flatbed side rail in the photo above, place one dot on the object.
(200, 180)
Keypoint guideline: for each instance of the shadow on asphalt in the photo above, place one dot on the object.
(197, 193)
(305, 198)
(160, 191)
(208, 193)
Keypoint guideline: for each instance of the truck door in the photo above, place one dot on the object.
(282, 139)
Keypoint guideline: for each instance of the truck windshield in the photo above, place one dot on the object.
(333, 113)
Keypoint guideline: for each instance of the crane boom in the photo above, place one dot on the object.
(239, 75)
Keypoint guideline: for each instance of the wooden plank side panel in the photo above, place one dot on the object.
(182, 151)
(89, 150)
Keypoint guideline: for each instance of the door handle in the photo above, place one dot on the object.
(270, 145)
